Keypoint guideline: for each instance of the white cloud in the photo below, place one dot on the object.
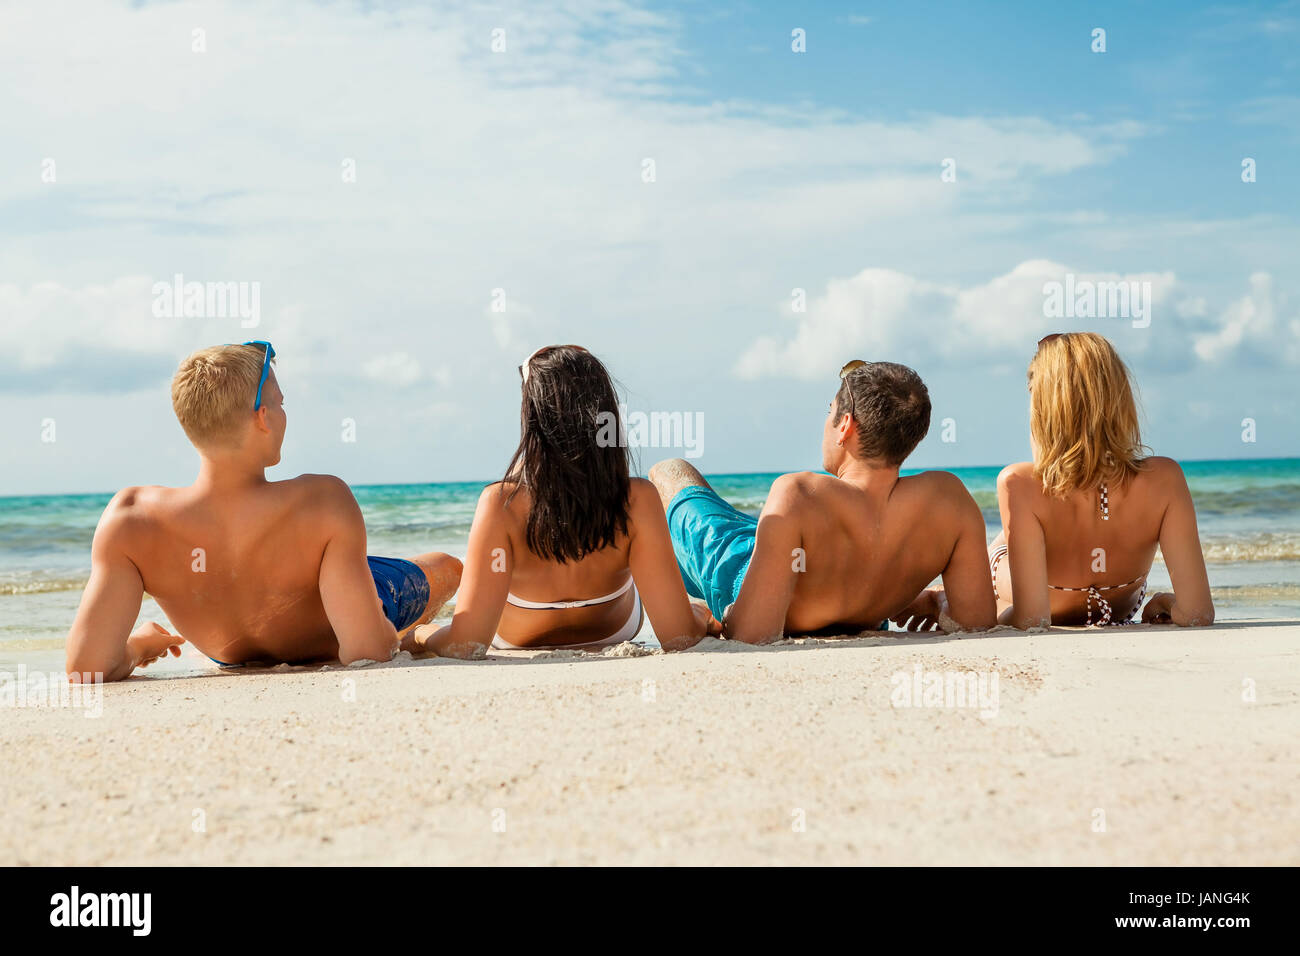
(1261, 323)
(474, 170)
(106, 337)
(519, 170)
(883, 313)
(542, 140)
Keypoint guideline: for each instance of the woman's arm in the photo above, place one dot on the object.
(489, 562)
(654, 569)
(1180, 543)
(1031, 604)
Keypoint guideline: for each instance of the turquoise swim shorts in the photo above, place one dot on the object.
(714, 544)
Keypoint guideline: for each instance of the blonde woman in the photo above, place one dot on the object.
(1082, 521)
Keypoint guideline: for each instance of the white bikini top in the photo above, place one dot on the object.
(551, 605)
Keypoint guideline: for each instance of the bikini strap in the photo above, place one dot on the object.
(556, 605)
(1102, 605)
(1105, 503)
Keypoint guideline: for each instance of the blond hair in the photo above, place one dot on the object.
(214, 389)
(1082, 414)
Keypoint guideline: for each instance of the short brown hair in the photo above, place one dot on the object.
(214, 389)
(891, 407)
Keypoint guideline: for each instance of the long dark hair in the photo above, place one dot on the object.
(577, 477)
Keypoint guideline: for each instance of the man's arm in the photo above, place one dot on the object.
(967, 586)
(347, 588)
(101, 641)
(758, 616)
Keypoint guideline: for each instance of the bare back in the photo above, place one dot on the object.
(1060, 548)
(868, 557)
(237, 575)
(541, 580)
(499, 566)
(847, 556)
(248, 571)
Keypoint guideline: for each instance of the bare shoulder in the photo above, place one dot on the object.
(937, 481)
(135, 506)
(327, 497)
(131, 512)
(1162, 470)
(324, 486)
(503, 498)
(502, 509)
(1162, 478)
(941, 488)
(129, 506)
(1018, 477)
(791, 492)
(643, 497)
(644, 506)
(136, 499)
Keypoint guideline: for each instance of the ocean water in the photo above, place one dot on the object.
(1248, 512)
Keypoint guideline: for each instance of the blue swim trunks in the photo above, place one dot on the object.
(714, 544)
(403, 591)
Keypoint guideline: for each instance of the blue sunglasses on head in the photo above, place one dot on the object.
(266, 369)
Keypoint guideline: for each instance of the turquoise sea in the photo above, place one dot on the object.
(1248, 511)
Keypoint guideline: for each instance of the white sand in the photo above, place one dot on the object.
(712, 756)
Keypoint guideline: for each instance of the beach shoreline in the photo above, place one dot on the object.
(1119, 746)
(1248, 512)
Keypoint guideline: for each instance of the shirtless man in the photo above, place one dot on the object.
(248, 570)
(839, 553)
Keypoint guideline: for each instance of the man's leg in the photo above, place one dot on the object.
(443, 572)
(672, 475)
(706, 574)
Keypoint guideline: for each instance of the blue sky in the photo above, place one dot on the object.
(521, 170)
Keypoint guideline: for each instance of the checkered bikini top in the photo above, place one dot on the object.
(1104, 609)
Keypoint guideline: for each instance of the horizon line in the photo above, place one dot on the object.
(473, 481)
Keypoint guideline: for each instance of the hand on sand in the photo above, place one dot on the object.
(414, 641)
(923, 613)
(712, 626)
(150, 641)
(1159, 609)
(703, 619)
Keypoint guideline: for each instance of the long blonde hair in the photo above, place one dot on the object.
(1083, 417)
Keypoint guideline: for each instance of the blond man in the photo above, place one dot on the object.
(247, 570)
